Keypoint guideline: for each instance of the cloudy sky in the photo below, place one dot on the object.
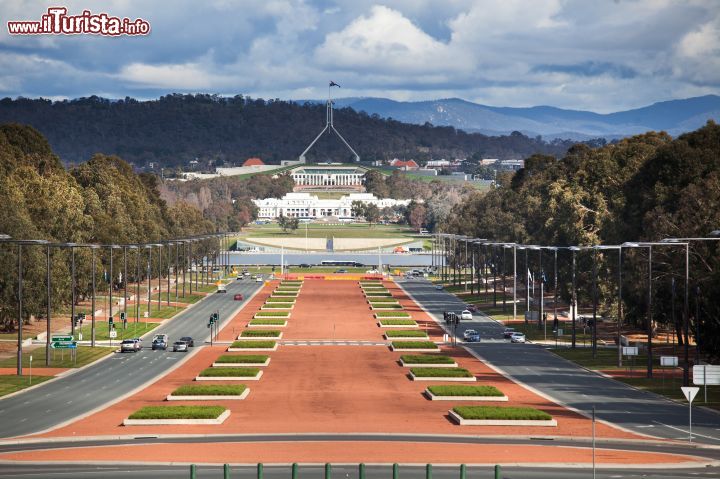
(601, 55)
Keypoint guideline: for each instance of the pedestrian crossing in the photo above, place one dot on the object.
(328, 342)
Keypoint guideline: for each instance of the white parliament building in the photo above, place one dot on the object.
(307, 205)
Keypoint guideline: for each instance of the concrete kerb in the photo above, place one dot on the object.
(147, 383)
(526, 386)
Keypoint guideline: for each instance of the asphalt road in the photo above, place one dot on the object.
(314, 258)
(56, 402)
(533, 365)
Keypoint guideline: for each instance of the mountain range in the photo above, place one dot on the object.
(674, 117)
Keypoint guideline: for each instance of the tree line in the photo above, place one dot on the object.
(643, 188)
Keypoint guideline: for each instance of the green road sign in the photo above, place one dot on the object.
(61, 338)
(63, 345)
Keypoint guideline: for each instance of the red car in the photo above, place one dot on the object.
(238, 297)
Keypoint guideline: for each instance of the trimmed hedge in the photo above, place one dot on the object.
(382, 314)
(378, 294)
(386, 306)
(178, 412)
(229, 372)
(373, 300)
(414, 345)
(267, 322)
(426, 359)
(242, 358)
(498, 412)
(210, 390)
(253, 344)
(411, 333)
(261, 333)
(465, 391)
(278, 305)
(261, 314)
(398, 322)
(279, 300)
(441, 373)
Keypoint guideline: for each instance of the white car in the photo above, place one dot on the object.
(259, 279)
(517, 338)
(466, 314)
(468, 333)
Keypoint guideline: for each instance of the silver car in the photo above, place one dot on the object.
(129, 346)
(180, 346)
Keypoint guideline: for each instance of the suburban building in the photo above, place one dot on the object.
(306, 205)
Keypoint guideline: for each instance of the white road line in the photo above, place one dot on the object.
(687, 432)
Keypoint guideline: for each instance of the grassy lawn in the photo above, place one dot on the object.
(260, 333)
(441, 372)
(465, 391)
(210, 390)
(324, 231)
(426, 359)
(393, 314)
(380, 294)
(267, 322)
(606, 358)
(670, 388)
(229, 372)
(278, 306)
(242, 358)
(532, 332)
(398, 322)
(10, 383)
(382, 300)
(414, 345)
(279, 300)
(85, 355)
(498, 412)
(13, 336)
(188, 298)
(133, 330)
(253, 344)
(265, 314)
(410, 333)
(163, 312)
(386, 306)
(178, 412)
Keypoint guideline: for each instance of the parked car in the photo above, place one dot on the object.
(507, 332)
(190, 341)
(468, 333)
(238, 297)
(466, 315)
(130, 346)
(517, 338)
(180, 346)
(159, 343)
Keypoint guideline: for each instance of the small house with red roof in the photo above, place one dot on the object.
(253, 162)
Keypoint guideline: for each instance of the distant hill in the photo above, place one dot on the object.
(176, 129)
(675, 117)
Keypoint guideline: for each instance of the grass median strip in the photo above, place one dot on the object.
(378, 294)
(279, 300)
(272, 314)
(481, 391)
(385, 306)
(253, 344)
(178, 412)
(501, 413)
(392, 314)
(267, 322)
(382, 300)
(210, 390)
(260, 333)
(414, 345)
(242, 358)
(10, 383)
(412, 333)
(229, 372)
(441, 373)
(398, 322)
(278, 306)
(426, 359)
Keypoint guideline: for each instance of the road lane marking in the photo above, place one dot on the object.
(687, 432)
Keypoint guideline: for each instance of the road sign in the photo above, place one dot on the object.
(113, 334)
(690, 393)
(630, 351)
(61, 338)
(669, 361)
(63, 345)
(706, 374)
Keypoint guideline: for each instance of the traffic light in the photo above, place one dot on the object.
(122, 316)
(110, 321)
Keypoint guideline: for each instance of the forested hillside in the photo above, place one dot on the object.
(647, 187)
(178, 128)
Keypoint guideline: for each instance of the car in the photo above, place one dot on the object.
(439, 287)
(472, 308)
(159, 343)
(517, 338)
(507, 332)
(259, 279)
(130, 346)
(238, 297)
(372, 271)
(341, 271)
(221, 288)
(468, 333)
(190, 341)
(304, 265)
(180, 346)
(466, 315)
(473, 338)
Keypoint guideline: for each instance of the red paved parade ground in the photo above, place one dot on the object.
(335, 389)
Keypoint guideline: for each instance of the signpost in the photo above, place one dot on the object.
(690, 393)
(704, 374)
(63, 342)
(668, 361)
(631, 351)
(31, 369)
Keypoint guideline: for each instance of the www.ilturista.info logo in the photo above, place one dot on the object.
(57, 22)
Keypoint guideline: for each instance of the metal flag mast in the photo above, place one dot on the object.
(328, 127)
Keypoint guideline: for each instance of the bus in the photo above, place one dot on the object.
(334, 262)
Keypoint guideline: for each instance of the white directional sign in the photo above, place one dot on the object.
(113, 334)
(690, 393)
(630, 350)
(669, 361)
(706, 374)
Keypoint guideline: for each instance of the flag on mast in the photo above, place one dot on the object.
(332, 84)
